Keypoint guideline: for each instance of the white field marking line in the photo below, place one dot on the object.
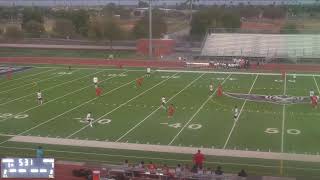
(51, 87)
(122, 105)
(285, 85)
(316, 84)
(194, 115)
(138, 124)
(283, 114)
(234, 72)
(27, 76)
(31, 83)
(282, 129)
(153, 158)
(40, 105)
(235, 122)
(51, 119)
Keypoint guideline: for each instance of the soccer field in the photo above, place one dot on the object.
(275, 115)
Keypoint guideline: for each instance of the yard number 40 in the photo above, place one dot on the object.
(276, 131)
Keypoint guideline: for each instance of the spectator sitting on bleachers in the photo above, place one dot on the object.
(218, 171)
(178, 170)
(151, 167)
(200, 171)
(209, 171)
(126, 164)
(141, 164)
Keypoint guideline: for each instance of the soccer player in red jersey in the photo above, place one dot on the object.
(314, 101)
(98, 91)
(139, 81)
(171, 111)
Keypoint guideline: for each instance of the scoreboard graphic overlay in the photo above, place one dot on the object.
(27, 168)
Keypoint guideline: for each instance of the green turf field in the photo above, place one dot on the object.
(130, 114)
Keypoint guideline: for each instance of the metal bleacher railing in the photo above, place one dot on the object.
(230, 42)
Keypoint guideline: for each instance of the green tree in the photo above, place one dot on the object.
(142, 4)
(64, 28)
(13, 33)
(31, 14)
(80, 20)
(214, 17)
(230, 21)
(159, 26)
(105, 29)
(34, 28)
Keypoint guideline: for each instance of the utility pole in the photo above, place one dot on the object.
(150, 30)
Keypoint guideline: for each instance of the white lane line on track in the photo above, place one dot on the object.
(43, 90)
(138, 124)
(194, 115)
(123, 104)
(235, 122)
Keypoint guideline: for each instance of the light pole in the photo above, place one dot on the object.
(150, 30)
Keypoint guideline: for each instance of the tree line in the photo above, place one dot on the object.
(103, 25)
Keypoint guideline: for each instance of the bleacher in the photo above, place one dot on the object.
(262, 45)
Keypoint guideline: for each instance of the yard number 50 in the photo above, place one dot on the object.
(276, 131)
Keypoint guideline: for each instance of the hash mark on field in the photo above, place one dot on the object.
(235, 122)
(138, 124)
(194, 115)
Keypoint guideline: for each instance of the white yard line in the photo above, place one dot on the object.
(282, 129)
(194, 115)
(283, 113)
(138, 124)
(235, 122)
(43, 90)
(121, 105)
(316, 84)
(234, 72)
(73, 92)
(24, 77)
(52, 77)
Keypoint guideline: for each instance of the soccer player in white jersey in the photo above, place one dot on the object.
(148, 72)
(311, 94)
(294, 76)
(89, 119)
(236, 113)
(95, 81)
(39, 97)
(163, 102)
(211, 88)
